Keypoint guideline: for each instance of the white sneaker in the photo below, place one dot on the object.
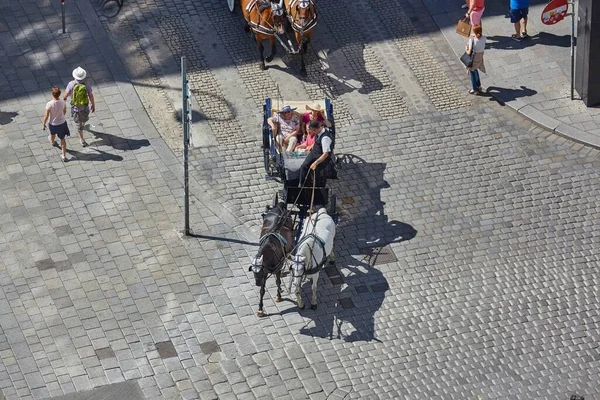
(63, 158)
(83, 142)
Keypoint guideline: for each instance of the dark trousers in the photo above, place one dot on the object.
(306, 171)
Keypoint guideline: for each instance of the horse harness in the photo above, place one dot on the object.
(257, 26)
(316, 268)
(303, 4)
(274, 232)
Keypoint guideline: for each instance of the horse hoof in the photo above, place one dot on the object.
(313, 307)
(269, 58)
(263, 67)
(301, 308)
(260, 313)
(277, 299)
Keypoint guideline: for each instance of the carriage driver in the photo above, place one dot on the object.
(318, 158)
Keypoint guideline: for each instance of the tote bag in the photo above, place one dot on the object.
(464, 27)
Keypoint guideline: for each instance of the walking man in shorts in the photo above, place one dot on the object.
(81, 99)
(519, 9)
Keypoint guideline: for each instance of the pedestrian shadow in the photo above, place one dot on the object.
(97, 155)
(542, 38)
(117, 142)
(6, 117)
(353, 289)
(504, 95)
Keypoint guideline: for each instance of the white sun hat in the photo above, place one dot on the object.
(79, 73)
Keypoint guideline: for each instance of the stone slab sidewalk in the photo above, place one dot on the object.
(531, 77)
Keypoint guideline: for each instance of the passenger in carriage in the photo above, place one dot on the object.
(308, 141)
(314, 114)
(286, 128)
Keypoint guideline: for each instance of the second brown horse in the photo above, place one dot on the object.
(303, 18)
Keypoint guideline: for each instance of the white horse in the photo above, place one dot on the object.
(314, 248)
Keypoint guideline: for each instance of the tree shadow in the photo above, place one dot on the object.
(542, 38)
(6, 117)
(504, 95)
(354, 289)
(98, 155)
(118, 143)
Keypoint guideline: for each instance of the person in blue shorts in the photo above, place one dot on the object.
(518, 12)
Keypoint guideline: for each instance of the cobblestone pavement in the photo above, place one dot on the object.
(534, 73)
(484, 276)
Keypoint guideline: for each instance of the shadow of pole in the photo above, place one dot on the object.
(222, 239)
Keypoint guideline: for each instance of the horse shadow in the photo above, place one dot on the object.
(352, 290)
(6, 117)
(117, 142)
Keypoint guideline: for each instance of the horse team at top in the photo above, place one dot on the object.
(269, 20)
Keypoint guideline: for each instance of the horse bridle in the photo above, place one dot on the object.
(268, 29)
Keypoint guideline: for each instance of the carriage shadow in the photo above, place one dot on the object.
(351, 292)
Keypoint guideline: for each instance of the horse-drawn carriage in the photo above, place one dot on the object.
(301, 222)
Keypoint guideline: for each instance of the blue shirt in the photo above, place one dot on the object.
(517, 4)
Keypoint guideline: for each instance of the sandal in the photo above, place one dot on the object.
(515, 37)
(524, 35)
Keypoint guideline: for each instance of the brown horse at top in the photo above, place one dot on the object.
(303, 18)
(265, 19)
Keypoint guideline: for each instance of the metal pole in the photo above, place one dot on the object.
(184, 118)
(62, 6)
(572, 50)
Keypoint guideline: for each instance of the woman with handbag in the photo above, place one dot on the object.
(475, 49)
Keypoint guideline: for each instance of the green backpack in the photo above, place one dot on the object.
(80, 97)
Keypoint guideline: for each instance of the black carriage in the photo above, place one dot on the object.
(285, 168)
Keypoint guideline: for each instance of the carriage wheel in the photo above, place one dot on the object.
(231, 4)
(332, 205)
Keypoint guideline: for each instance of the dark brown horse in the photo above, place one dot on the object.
(303, 18)
(275, 245)
(264, 24)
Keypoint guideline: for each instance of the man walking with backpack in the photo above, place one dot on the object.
(81, 97)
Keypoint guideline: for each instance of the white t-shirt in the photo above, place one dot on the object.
(56, 107)
(478, 44)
